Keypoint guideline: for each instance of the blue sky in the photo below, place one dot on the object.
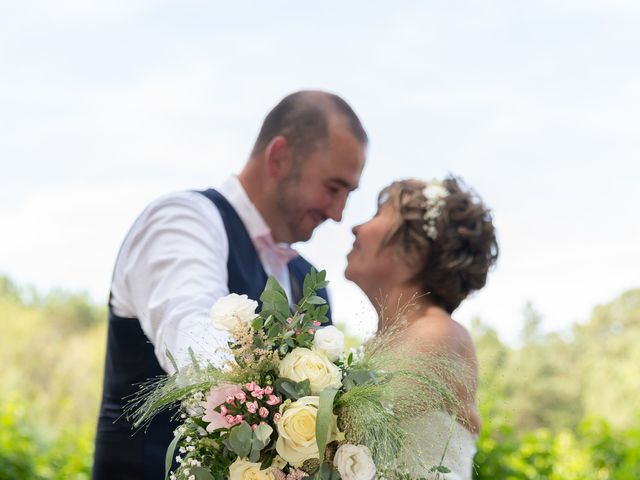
(106, 105)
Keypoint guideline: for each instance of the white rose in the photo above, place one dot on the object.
(297, 431)
(354, 462)
(330, 340)
(302, 364)
(245, 470)
(232, 310)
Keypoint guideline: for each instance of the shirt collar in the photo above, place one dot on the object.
(235, 194)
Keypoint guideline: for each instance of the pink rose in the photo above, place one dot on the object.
(263, 412)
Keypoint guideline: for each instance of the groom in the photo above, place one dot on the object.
(188, 249)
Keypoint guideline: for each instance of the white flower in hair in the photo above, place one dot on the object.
(434, 193)
(435, 190)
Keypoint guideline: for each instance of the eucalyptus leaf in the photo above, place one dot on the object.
(293, 390)
(201, 473)
(239, 440)
(262, 434)
(358, 377)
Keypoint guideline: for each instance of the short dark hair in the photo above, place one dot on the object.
(457, 261)
(303, 119)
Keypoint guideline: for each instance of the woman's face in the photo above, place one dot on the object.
(370, 265)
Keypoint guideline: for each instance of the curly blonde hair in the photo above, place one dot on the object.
(455, 263)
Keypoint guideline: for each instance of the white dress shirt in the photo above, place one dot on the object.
(172, 267)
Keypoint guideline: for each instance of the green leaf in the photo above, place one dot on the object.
(273, 331)
(201, 473)
(172, 360)
(329, 473)
(275, 302)
(262, 434)
(324, 420)
(168, 459)
(261, 438)
(358, 377)
(257, 324)
(267, 461)
(239, 441)
(440, 468)
(316, 300)
(293, 390)
(307, 288)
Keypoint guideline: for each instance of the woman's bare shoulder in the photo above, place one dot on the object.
(441, 331)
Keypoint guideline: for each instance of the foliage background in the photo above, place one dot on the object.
(561, 405)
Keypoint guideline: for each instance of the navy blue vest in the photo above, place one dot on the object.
(120, 453)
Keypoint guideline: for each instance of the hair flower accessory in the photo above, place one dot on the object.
(434, 194)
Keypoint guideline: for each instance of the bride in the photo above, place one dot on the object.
(429, 246)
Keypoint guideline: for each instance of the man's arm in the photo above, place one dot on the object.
(171, 270)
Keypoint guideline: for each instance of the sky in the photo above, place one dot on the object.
(536, 105)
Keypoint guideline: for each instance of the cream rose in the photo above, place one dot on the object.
(354, 462)
(329, 340)
(302, 364)
(232, 310)
(297, 431)
(245, 470)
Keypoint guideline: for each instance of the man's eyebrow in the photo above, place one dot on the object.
(343, 183)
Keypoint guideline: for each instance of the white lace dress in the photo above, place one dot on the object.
(429, 437)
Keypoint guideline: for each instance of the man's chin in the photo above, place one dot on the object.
(303, 236)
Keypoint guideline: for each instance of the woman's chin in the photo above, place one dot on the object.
(348, 271)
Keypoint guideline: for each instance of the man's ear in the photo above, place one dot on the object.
(278, 157)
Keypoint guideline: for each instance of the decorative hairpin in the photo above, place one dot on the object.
(434, 194)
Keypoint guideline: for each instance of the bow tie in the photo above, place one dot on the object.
(279, 254)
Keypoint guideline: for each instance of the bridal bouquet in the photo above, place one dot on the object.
(290, 404)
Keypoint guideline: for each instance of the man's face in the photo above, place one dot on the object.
(320, 187)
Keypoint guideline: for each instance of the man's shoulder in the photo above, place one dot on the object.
(184, 200)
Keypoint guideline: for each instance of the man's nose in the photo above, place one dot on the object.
(336, 208)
